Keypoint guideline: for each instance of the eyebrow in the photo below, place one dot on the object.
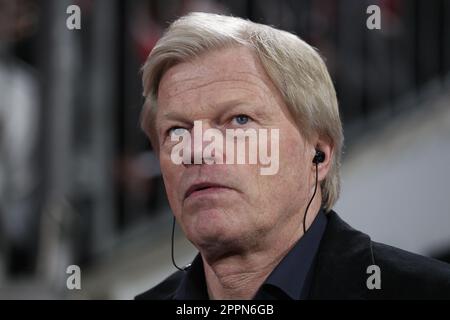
(175, 115)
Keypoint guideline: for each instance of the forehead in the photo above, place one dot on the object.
(236, 69)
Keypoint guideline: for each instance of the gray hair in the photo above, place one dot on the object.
(295, 68)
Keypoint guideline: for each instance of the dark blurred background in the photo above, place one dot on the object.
(79, 183)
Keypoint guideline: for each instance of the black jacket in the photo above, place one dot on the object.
(341, 270)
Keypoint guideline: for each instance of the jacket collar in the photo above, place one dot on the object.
(343, 257)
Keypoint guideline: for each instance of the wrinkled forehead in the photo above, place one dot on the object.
(229, 64)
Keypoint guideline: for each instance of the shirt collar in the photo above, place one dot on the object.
(292, 275)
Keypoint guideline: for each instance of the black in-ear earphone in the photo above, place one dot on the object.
(318, 158)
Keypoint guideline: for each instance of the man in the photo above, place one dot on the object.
(262, 236)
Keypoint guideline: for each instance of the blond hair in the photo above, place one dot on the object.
(295, 68)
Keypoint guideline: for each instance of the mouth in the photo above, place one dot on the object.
(205, 188)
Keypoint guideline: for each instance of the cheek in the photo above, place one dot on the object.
(291, 157)
(293, 162)
(285, 186)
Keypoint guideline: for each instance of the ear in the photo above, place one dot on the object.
(325, 145)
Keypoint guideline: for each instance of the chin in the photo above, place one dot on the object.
(212, 229)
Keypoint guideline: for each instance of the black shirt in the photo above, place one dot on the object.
(291, 278)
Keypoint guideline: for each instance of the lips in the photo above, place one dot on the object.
(204, 186)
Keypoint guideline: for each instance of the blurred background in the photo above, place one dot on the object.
(79, 183)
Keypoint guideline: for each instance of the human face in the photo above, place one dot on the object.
(250, 209)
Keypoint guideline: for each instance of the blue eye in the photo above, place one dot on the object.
(241, 119)
(178, 131)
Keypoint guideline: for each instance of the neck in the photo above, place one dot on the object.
(239, 275)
